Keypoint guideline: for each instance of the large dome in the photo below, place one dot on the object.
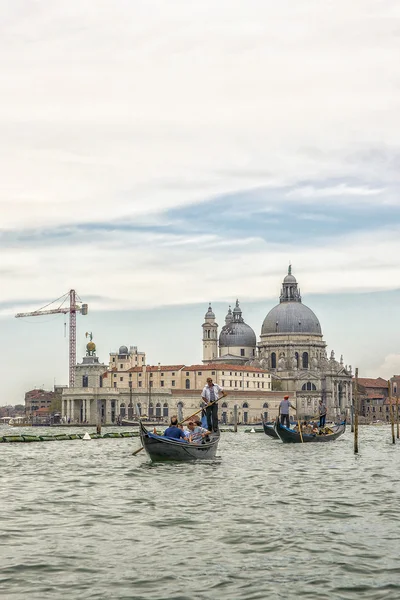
(237, 334)
(291, 317)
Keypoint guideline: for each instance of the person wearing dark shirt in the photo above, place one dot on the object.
(173, 431)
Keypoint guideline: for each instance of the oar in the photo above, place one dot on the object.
(301, 433)
(180, 423)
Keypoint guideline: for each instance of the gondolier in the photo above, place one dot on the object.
(211, 393)
(322, 414)
(284, 408)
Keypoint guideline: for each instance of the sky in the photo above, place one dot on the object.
(156, 156)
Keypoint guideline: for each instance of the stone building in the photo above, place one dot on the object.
(237, 342)
(293, 350)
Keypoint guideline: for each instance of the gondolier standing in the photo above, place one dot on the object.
(322, 413)
(284, 411)
(211, 393)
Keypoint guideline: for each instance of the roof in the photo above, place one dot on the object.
(291, 317)
(373, 383)
(154, 369)
(225, 367)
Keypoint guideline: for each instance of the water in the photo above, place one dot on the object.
(266, 520)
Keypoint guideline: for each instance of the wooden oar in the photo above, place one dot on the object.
(300, 432)
(180, 423)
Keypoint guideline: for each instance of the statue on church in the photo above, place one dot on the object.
(294, 362)
(314, 363)
(282, 363)
(90, 346)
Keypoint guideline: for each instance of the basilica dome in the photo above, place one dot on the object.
(291, 315)
(235, 332)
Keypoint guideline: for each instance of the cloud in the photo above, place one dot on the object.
(390, 366)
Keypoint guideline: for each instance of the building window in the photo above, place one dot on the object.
(162, 383)
(309, 387)
(235, 383)
(115, 384)
(199, 373)
(273, 360)
(158, 409)
(223, 372)
(85, 381)
(165, 410)
(254, 352)
(151, 410)
(101, 381)
(213, 373)
(150, 384)
(224, 405)
(140, 384)
(305, 360)
(230, 373)
(187, 384)
(223, 382)
(151, 375)
(247, 384)
(162, 374)
(115, 374)
(187, 373)
(296, 355)
(121, 366)
(140, 374)
(173, 374)
(173, 383)
(258, 384)
(262, 385)
(121, 378)
(130, 375)
(230, 384)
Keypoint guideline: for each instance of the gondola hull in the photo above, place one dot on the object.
(160, 448)
(269, 429)
(289, 436)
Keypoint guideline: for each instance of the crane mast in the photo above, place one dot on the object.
(72, 309)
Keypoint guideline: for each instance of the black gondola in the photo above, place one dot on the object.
(269, 429)
(290, 436)
(160, 448)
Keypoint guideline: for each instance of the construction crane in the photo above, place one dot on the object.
(64, 308)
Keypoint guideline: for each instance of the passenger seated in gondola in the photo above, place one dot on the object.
(315, 428)
(197, 432)
(173, 431)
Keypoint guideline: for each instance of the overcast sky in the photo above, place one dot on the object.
(158, 155)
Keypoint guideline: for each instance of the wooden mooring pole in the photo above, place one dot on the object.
(391, 411)
(235, 418)
(355, 414)
(397, 415)
(98, 416)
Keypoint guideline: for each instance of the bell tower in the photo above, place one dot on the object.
(210, 336)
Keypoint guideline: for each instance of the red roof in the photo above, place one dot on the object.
(224, 367)
(373, 383)
(152, 368)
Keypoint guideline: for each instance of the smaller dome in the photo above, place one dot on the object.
(123, 350)
(229, 317)
(209, 314)
(290, 279)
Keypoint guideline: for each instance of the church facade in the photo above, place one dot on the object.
(291, 349)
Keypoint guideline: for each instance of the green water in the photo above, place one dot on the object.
(266, 520)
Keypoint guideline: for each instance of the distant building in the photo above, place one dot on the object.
(37, 399)
(373, 394)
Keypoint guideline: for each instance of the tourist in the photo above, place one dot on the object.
(211, 395)
(322, 413)
(173, 431)
(284, 408)
(198, 432)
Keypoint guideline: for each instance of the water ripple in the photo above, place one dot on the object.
(265, 520)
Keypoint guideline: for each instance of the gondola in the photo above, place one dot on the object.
(160, 448)
(290, 436)
(270, 430)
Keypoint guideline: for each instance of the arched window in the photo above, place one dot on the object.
(122, 410)
(245, 405)
(224, 405)
(85, 381)
(273, 360)
(151, 409)
(265, 405)
(296, 355)
(158, 409)
(165, 410)
(305, 360)
(309, 387)
(187, 384)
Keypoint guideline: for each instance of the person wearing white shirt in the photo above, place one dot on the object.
(211, 393)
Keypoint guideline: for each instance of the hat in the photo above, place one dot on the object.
(286, 397)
